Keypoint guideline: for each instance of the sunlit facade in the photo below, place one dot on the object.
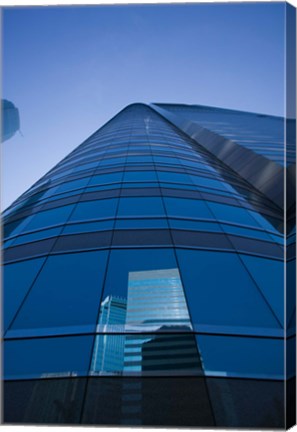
(144, 276)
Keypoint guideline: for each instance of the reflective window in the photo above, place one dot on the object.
(187, 208)
(123, 263)
(99, 209)
(174, 177)
(49, 217)
(232, 214)
(146, 354)
(140, 176)
(27, 238)
(269, 276)
(18, 279)
(76, 184)
(88, 227)
(141, 223)
(66, 293)
(220, 291)
(47, 357)
(106, 178)
(140, 207)
(242, 357)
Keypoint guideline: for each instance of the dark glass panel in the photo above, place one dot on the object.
(99, 209)
(50, 217)
(242, 403)
(107, 178)
(76, 184)
(148, 402)
(187, 208)
(47, 357)
(140, 207)
(59, 297)
(57, 401)
(242, 356)
(141, 176)
(220, 291)
(269, 276)
(18, 279)
(141, 223)
(88, 227)
(232, 214)
(27, 238)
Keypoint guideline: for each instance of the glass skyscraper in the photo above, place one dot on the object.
(149, 275)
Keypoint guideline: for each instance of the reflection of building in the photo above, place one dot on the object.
(171, 352)
(108, 353)
(156, 302)
(10, 119)
(156, 298)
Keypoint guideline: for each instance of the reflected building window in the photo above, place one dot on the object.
(109, 350)
(156, 307)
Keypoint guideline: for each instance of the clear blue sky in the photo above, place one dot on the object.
(70, 69)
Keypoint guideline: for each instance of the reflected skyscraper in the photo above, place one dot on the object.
(108, 354)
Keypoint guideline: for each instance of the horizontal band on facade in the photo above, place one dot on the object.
(141, 192)
(144, 238)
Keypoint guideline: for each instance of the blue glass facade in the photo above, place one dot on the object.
(145, 276)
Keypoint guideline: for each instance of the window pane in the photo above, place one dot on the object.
(18, 279)
(50, 217)
(47, 357)
(139, 287)
(187, 208)
(221, 292)
(140, 207)
(242, 357)
(99, 209)
(66, 293)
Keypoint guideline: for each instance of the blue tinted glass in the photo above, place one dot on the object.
(138, 186)
(16, 227)
(140, 207)
(139, 159)
(18, 279)
(49, 217)
(220, 291)
(269, 276)
(113, 161)
(245, 232)
(207, 182)
(242, 357)
(76, 184)
(66, 293)
(106, 178)
(233, 214)
(102, 187)
(194, 225)
(263, 222)
(167, 160)
(174, 177)
(37, 236)
(48, 357)
(124, 261)
(139, 176)
(88, 227)
(99, 209)
(146, 354)
(86, 166)
(187, 208)
(141, 223)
